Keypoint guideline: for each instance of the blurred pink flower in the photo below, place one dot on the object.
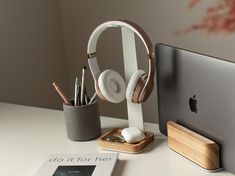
(219, 18)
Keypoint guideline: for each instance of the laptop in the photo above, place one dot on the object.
(198, 92)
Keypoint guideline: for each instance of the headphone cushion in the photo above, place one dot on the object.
(132, 84)
(112, 86)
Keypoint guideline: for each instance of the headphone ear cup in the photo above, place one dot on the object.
(112, 86)
(133, 83)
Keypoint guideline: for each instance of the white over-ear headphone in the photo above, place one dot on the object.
(109, 84)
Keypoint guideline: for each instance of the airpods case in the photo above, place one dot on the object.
(132, 135)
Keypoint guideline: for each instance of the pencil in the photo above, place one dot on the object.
(60, 92)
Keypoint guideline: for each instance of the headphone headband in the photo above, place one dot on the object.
(91, 49)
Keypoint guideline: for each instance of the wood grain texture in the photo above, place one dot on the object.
(195, 147)
(125, 147)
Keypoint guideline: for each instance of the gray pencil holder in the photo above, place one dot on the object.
(82, 122)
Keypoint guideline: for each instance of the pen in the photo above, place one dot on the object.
(60, 92)
(86, 99)
(93, 98)
(83, 85)
(76, 89)
(85, 96)
(78, 95)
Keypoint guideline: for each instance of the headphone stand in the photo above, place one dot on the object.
(134, 111)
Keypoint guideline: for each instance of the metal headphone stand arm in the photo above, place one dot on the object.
(134, 111)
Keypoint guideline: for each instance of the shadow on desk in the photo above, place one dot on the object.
(104, 130)
(156, 143)
(120, 167)
(121, 164)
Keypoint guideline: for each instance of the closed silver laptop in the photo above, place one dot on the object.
(198, 91)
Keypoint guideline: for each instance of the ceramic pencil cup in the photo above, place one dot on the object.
(82, 122)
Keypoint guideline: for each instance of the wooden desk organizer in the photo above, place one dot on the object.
(125, 147)
(193, 146)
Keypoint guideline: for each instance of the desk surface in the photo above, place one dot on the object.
(29, 134)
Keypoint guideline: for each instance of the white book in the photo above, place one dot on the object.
(97, 164)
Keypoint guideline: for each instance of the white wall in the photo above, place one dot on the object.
(32, 52)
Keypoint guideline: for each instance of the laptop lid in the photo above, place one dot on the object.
(198, 91)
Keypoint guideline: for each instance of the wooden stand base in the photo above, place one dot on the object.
(125, 147)
(193, 146)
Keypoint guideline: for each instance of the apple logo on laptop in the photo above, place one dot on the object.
(193, 104)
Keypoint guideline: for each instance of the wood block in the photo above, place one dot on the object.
(125, 147)
(193, 146)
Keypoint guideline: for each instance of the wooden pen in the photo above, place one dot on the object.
(60, 92)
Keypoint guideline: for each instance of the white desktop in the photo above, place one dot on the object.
(29, 134)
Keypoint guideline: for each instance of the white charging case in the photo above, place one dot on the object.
(132, 135)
